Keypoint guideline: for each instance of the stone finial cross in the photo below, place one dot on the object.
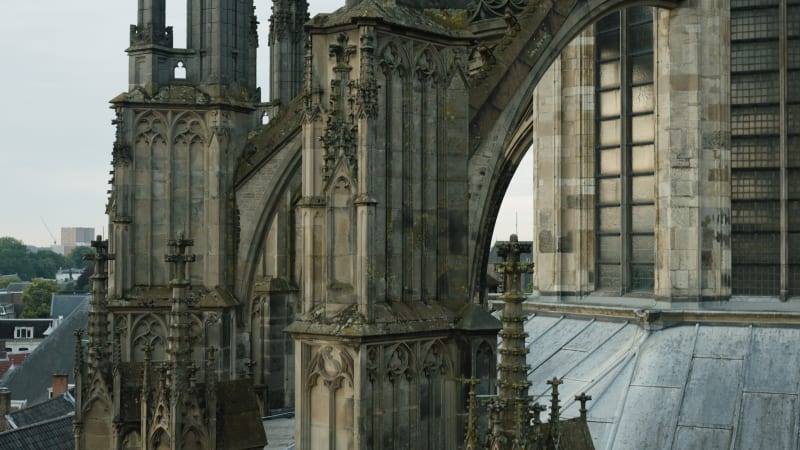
(555, 409)
(583, 398)
(511, 267)
(100, 257)
(341, 50)
(537, 413)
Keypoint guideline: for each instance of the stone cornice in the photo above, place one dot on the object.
(655, 318)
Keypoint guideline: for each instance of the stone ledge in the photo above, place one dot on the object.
(654, 318)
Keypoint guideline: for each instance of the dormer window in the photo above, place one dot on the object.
(23, 332)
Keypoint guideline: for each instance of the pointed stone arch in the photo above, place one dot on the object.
(148, 330)
(150, 125)
(331, 365)
(96, 429)
(394, 58)
(194, 439)
(160, 439)
(428, 63)
(131, 441)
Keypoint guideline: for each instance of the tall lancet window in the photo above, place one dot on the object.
(625, 151)
(765, 147)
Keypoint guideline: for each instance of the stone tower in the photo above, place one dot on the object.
(385, 327)
(181, 128)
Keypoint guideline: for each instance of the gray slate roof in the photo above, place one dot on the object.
(18, 286)
(687, 387)
(48, 435)
(51, 409)
(56, 354)
(64, 304)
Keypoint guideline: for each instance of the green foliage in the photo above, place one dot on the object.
(15, 258)
(75, 259)
(82, 285)
(36, 298)
(46, 263)
(6, 281)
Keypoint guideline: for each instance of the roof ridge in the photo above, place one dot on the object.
(43, 422)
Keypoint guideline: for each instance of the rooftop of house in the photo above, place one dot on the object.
(56, 354)
(62, 305)
(18, 286)
(7, 327)
(52, 433)
(54, 408)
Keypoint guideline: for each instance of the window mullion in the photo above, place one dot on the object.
(784, 179)
(625, 179)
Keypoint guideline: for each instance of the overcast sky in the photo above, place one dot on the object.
(60, 63)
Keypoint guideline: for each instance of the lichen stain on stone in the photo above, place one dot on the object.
(452, 18)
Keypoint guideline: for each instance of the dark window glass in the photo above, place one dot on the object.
(608, 45)
(625, 127)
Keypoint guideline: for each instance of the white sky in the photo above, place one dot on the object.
(60, 63)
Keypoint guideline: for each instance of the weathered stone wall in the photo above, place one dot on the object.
(176, 178)
(563, 148)
(693, 152)
(692, 160)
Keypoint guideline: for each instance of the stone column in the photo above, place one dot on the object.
(563, 146)
(693, 153)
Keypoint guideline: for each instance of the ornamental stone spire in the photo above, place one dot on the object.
(98, 312)
(512, 381)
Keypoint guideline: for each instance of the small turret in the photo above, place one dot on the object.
(220, 51)
(287, 41)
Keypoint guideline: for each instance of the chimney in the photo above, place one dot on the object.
(5, 402)
(60, 384)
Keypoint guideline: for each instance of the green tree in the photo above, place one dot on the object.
(75, 258)
(83, 285)
(46, 263)
(15, 258)
(36, 298)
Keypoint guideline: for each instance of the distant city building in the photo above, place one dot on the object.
(72, 237)
(13, 294)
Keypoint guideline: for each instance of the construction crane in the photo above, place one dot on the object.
(48, 230)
